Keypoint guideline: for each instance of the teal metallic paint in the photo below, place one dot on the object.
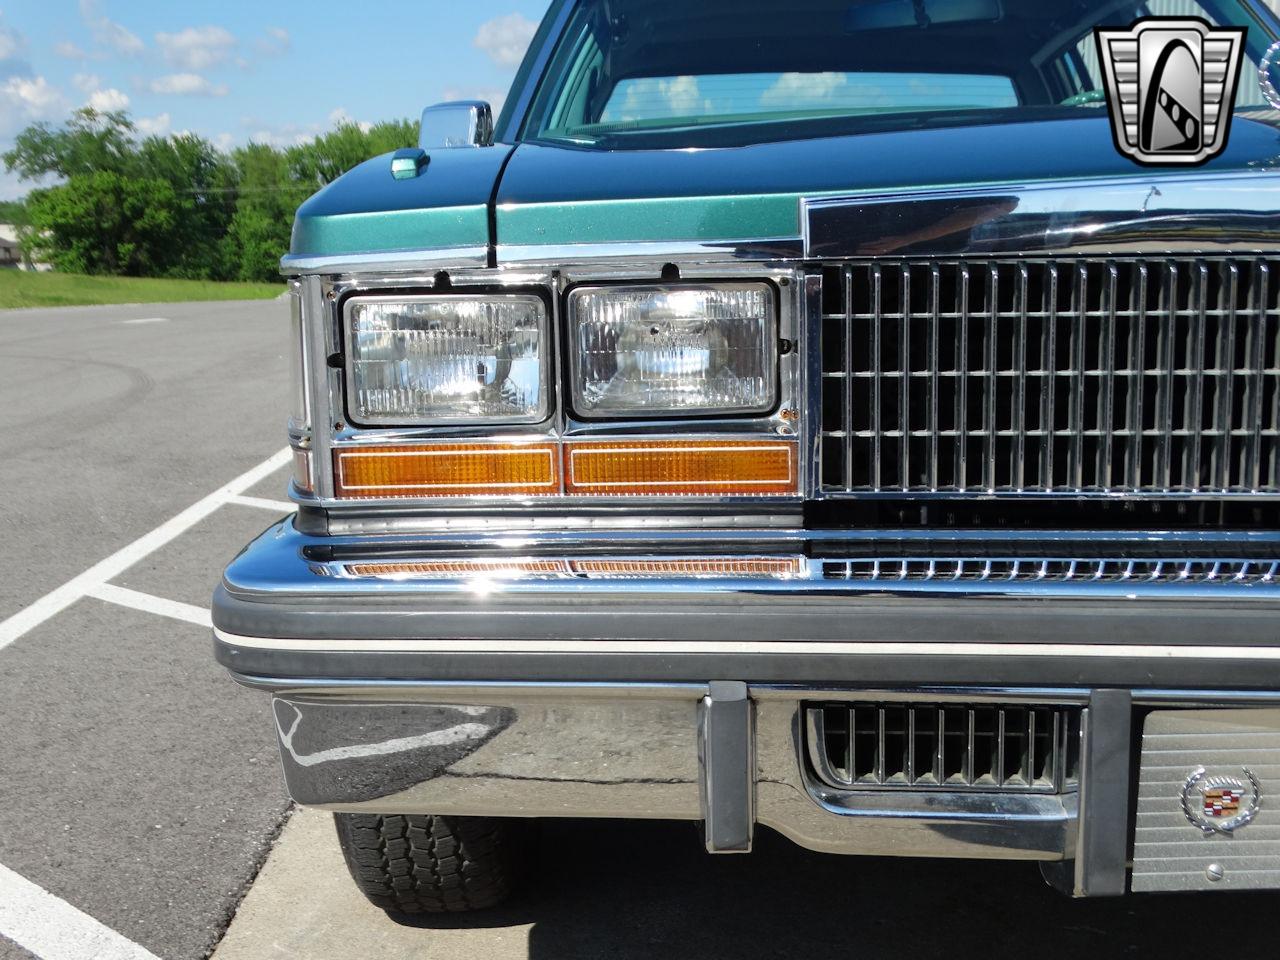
(369, 210)
(390, 230)
(649, 219)
(559, 195)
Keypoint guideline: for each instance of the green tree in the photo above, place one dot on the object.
(267, 197)
(105, 222)
(176, 206)
(13, 211)
(206, 181)
(332, 154)
(90, 142)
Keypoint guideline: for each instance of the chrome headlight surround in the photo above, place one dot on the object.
(672, 339)
(492, 349)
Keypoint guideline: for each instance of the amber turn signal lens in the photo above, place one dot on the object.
(780, 568)
(732, 568)
(449, 569)
(447, 470)
(723, 468)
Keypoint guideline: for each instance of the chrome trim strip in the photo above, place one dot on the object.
(1230, 212)
(798, 647)
(318, 337)
(480, 689)
(717, 251)
(621, 524)
(428, 258)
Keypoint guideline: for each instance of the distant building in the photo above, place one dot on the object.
(10, 249)
(11, 257)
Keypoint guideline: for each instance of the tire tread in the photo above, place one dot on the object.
(413, 864)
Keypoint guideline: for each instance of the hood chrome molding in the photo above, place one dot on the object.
(1187, 213)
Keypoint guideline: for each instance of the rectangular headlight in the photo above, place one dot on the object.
(447, 359)
(673, 351)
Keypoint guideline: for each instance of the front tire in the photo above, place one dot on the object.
(431, 864)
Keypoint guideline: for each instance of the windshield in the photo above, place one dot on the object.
(652, 73)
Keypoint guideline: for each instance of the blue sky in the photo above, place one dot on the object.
(237, 70)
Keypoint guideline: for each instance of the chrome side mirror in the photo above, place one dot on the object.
(461, 123)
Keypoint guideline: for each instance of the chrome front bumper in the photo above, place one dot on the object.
(723, 753)
(685, 699)
(285, 610)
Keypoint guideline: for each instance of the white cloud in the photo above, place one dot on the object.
(13, 55)
(505, 39)
(340, 118)
(86, 82)
(108, 33)
(24, 100)
(197, 48)
(156, 126)
(187, 85)
(70, 51)
(12, 44)
(276, 43)
(493, 96)
(793, 89)
(651, 97)
(294, 134)
(108, 101)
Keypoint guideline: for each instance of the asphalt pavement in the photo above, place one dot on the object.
(137, 784)
(142, 813)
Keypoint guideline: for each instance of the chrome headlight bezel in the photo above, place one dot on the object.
(545, 352)
(769, 361)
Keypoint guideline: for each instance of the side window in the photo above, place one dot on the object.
(1087, 56)
(575, 105)
(1248, 93)
(1077, 70)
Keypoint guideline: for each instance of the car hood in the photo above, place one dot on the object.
(560, 195)
(368, 211)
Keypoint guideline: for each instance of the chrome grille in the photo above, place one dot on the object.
(1261, 573)
(1021, 749)
(1079, 377)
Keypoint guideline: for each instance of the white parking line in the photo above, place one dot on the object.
(53, 929)
(57, 600)
(284, 506)
(124, 597)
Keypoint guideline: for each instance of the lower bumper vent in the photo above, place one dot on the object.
(1254, 573)
(944, 747)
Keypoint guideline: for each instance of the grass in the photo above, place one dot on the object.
(19, 288)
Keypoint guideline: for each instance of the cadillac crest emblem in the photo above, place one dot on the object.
(1220, 804)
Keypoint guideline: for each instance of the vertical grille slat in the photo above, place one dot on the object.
(1137, 391)
(1020, 393)
(1079, 332)
(1226, 379)
(971, 747)
(1073, 377)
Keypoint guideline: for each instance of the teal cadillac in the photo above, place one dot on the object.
(798, 417)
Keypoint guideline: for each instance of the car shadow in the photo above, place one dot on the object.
(624, 890)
